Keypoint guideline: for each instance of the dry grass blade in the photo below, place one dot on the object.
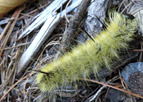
(27, 76)
(5, 29)
(20, 80)
(15, 15)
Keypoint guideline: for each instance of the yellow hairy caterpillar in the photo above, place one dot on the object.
(7, 5)
(90, 56)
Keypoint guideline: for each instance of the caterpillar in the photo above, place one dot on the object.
(89, 57)
(8, 5)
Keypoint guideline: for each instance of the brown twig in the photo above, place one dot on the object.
(73, 25)
(104, 84)
(138, 50)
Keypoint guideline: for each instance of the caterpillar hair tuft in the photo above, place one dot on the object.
(90, 56)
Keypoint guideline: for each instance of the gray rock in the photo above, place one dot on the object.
(133, 76)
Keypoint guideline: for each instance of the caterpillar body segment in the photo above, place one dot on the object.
(90, 56)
